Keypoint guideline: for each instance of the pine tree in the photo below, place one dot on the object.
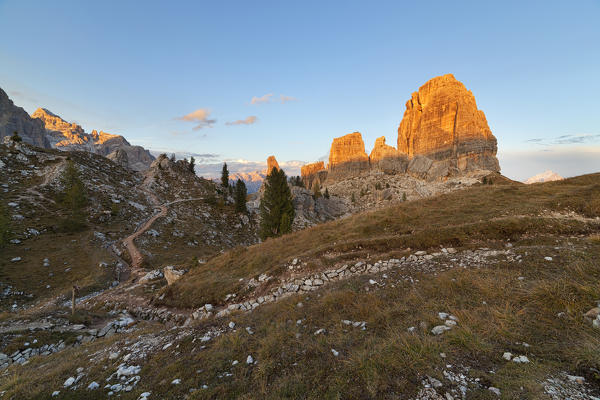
(225, 176)
(192, 164)
(276, 207)
(15, 137)
(326, 193)
(5, 231)
(73, 198)
(240, 196)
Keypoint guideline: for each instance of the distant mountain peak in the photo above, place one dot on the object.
(546, 176)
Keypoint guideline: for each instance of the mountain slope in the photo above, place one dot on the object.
(420, 300)
(65, 135)
(47, 130)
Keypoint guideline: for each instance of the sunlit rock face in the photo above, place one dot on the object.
(442, 134)
(442, 123)
(386, 158)
(347, 156)
(272, 163)
(313, 173)
(63, 134)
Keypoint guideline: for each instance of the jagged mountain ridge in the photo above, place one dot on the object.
(48, 130)
(253, 180)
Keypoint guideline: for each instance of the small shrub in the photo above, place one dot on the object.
(5, 232)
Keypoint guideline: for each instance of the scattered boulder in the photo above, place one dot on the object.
(172, 275)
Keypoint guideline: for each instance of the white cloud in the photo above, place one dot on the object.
(263, 99)
(247, 121)
(284, 99)
(200, 117)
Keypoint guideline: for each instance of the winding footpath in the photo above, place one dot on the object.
(134, 253)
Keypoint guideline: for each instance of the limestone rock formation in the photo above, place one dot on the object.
(347, 156)
(312, 173)
(47, 130)
(442, 123)
(442, 134)
(62, 134)
(65, 135)
(13, 118)
(119, 157)
(310, 210)
(272, 163)
(386, 158)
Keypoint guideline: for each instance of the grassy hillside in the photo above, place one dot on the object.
(522, 272)
(466, 218)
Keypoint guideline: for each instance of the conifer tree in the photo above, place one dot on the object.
(276, 207)
(73, 198)
(225, 176)
(15, 137)
(240, 196)
(192, 164)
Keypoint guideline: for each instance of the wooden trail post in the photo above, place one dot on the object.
(75, 291)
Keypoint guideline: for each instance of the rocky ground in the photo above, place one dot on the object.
(375, 189)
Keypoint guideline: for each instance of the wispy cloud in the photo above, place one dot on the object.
(284, 99)
(262, 99)
(577, 138)
(247, 121)
(200, 117)
(22, 96)
(200, 157)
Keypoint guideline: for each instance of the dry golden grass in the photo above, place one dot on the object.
(462, 218)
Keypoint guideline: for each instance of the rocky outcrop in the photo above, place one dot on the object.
(386, 158)
(15, 119)
(310, 210)
(313, 173)
(347, 156)
(172, 274)
(272, 163)
(138, 157)
(442, 123)
(119, 157)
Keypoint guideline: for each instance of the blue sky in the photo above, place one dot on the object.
(137, 68)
